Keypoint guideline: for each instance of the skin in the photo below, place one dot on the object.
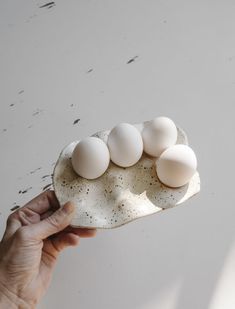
(34, 237)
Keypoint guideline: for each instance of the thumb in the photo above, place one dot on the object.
(58, 221)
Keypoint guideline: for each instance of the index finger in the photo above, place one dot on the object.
(45, 201)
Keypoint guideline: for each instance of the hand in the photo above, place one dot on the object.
(34, 237)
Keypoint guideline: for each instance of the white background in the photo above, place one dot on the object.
(182, 258)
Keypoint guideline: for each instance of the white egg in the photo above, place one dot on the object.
(125, 145)
(159, 134)
(176, 165)
(90, 158)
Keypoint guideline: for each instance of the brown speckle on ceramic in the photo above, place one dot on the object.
(120, 195)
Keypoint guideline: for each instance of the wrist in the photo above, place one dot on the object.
(5, 301)
(9, 300)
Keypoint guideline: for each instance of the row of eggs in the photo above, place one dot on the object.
(175, 165)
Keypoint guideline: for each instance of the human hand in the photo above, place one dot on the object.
(34, 237)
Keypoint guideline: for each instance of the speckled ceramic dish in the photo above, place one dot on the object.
(120, 195)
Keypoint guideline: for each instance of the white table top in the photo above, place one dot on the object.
(72, 61)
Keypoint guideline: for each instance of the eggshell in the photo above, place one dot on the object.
(120, 195)
(158, 135)
(90, 158)
(125, 145)
(176, 165)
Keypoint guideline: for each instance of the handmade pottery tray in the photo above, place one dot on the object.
(120, 195)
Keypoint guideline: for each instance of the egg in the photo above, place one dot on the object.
(90, 157)
(125, 145)
(176, 165)
(159, 134)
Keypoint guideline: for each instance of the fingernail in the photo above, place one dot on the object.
(68, 208)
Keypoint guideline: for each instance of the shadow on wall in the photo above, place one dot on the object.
(190, 252)
(180, 252)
